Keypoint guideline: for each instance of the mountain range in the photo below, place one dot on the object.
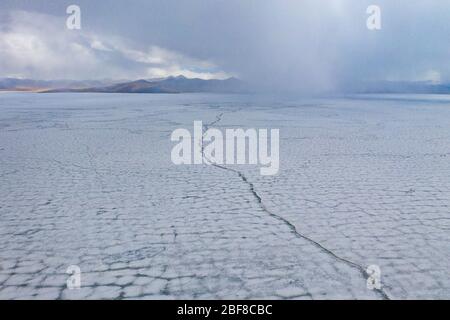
(429, 87)
(16, 84)
(177, 84)
(181, 84)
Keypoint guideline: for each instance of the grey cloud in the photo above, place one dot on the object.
(277, 44)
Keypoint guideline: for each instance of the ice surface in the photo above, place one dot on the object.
(86, 179)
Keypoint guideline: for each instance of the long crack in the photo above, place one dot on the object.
(286, 222)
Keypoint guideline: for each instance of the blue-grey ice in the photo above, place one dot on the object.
(87, 180)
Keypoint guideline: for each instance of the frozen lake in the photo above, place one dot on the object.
(87, 180)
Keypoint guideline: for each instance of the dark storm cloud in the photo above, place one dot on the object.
(292, 45)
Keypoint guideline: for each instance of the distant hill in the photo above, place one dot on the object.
(178, 84)
(402, 87)
(182, 84)
(139, 86)
(40, 85)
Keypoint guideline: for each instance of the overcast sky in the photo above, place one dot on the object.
(309, 45)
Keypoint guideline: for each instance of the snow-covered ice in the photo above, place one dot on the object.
(87, 180)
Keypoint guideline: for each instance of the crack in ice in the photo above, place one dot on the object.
(286, 222)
